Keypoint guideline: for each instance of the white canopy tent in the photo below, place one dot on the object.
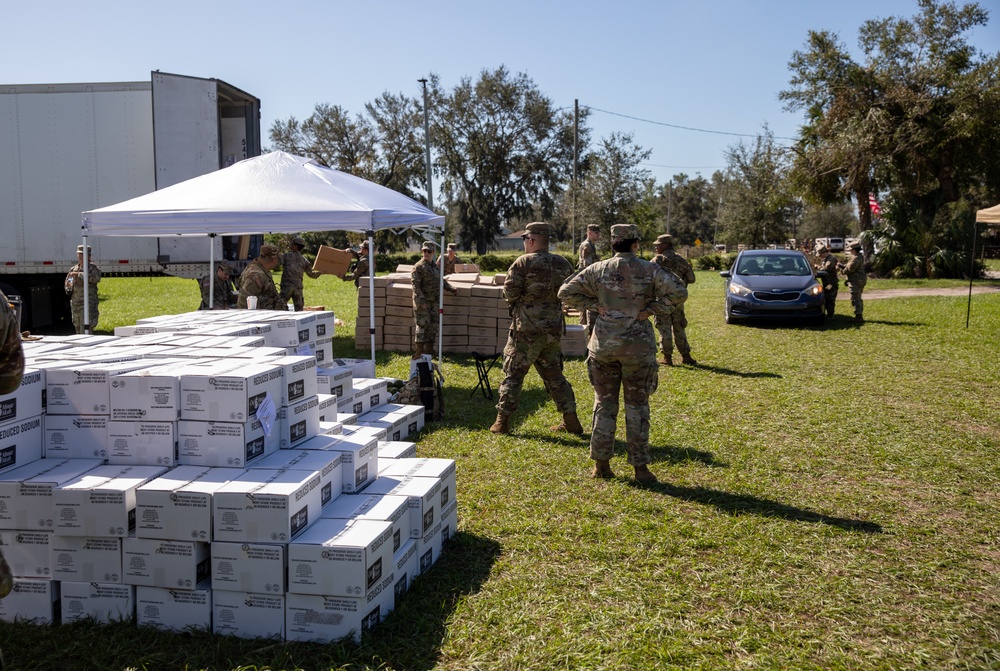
(273, 193)
(990, 215)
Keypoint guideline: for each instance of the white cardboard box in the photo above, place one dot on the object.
(439, 469)
(341, 558)
(360, 367)
(327, 407)
(360, 460)
(85, 389)
(249, 567)
(323, 619)
(324, 325)
(430, 545)
(25, 401)
(248, 614)
(76, 436)
(165, 563)
(142, 443)
(329, 465)
(100, 502)
(298, 378)
(266, 506)
(339, 380)
(31, 599)
(150, 394)
(86, 558)
(27, 552)
(289, 329)
(424, 495)
(394, 449)
(406, 568)
(20, 442)
(298, 422)
(330, 428)
(377, 433)
(103, 602)
(376, 390)
(224, 394)
(174, 609)
(26, 492)
(223, 444)
(381, 507)
(178, 504)
(394, 423)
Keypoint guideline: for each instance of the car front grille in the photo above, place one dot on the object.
(783, 296)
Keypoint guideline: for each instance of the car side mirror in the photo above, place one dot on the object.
(725, 273)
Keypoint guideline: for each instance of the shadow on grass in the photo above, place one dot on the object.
(745, 504)
(680, 455)
(729, 371)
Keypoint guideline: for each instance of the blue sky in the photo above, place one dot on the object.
(715, 65)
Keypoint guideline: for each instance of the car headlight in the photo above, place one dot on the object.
(739, 289)
(815, 290)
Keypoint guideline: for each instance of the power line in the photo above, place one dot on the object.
(671, 125)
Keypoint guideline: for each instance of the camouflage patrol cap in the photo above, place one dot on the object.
(856, 247)
(538, 228)
(452, 247)
(225, 267)
(428, 246)
(822, 250)
(268, 252)
(298, 241)
(665, 239)
(79, 249)
(625, 231)
(596, 228)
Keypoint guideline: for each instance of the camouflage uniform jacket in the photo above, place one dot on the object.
(293, 265)
(828, 264)
(360, 270)
(256, 281)
(677, 264)
(855, 271)
(11, 353)
(531, 288)
(223, 298)
(425, 281)
(588, 255)
(449, 264)
(76, 290)
(624, 286)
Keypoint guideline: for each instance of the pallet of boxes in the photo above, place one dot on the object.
(476, 320)
(216, 469)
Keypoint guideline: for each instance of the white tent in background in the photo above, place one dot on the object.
(273, 193)
(990, 215)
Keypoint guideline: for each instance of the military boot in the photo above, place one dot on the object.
(644, 475)
(602, 470)
(686, 359)
(570, 424)
(502, 424)
(668, 359)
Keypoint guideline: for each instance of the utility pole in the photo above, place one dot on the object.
(670, 193)
(427, 148)
(576, 151)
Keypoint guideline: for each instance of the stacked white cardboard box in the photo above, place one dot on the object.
(476, 320)
(199, 473)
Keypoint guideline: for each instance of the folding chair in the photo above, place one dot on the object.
(484, 364)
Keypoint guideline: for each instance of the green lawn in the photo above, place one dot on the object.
(828, 500)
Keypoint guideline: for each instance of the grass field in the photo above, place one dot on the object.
(829, 499)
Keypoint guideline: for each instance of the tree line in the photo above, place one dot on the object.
(913, 122)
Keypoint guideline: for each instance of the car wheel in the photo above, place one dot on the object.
(730, 319)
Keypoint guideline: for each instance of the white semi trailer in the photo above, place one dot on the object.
(68, 148)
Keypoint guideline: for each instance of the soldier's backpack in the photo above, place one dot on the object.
(425, 388)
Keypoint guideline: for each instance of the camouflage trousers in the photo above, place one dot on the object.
(830, 298)
(638, 377)
(426, 322)
(295, 293)
(77, 310)
(856, 302)
(544, 351)
(671, 330)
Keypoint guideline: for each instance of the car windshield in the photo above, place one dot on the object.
(760, 264)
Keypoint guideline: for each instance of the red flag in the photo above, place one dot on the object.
(873, 205)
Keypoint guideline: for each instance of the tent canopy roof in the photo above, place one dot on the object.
(990, 215)
(273, 193)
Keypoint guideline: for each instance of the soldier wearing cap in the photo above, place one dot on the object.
(588, 256)
(360, 269)
(74, 287)
(256, 281)
(425, 283)
(856, 276)
(831, 285)
(671, 327)
(625, 291)
(535, 337)
(223, 297)
(451, 259)
(293, 265)
(11, 352)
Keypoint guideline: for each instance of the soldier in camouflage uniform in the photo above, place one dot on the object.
(293, 265)
(425, 282)
(256, 281)
(589, 256)
(74, 287)
(360, 267)
(536, 329)
(11, 352)
(224, 297)
(671, 327)
(625, 291)
(854, 270)
(828, 264)
(451, 259)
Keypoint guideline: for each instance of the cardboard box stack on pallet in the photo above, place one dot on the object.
(476, 320)
(198, 471)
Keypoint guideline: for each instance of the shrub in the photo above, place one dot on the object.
(711, 262)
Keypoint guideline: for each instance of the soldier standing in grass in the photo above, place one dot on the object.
(831, 285)
(537, 325)
(854, 270)
(425, 283)
(293, 265)
(256, 281)
(671, 327)
(625, 291)
(589, 256)
(451, 259)
(361, 265)
(224, 297)
(74, 287)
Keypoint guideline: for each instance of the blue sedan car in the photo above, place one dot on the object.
(772, 284)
